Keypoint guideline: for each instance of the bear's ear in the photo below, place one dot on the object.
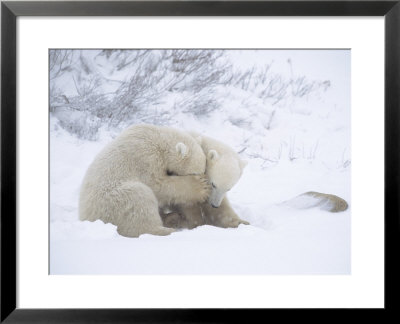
(181, 149)
(243, 163)
(212, 154)
(198, 139)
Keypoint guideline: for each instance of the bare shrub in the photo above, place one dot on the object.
(150, 75)
(274, 87)
(116, 87)
(195, 70)
(59, 62)
(199, 105)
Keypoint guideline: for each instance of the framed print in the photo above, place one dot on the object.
(198, 161)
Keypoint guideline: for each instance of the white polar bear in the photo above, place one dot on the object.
(223, 171)
(145, 168)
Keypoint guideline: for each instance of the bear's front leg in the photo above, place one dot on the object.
(223, 216)
(182, 190)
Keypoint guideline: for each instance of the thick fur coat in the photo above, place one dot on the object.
(223, 171)
(144, 169)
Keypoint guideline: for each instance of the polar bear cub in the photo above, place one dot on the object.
(223, 171)
(145, 168)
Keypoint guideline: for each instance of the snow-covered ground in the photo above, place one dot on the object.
(300, 143)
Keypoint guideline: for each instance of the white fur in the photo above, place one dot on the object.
(224, 169)
(181, 149)
(145, 168)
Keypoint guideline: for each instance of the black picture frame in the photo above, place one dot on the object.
(11, 10)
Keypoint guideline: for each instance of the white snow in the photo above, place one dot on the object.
(297, 145)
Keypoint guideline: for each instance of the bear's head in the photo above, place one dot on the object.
(187, 158)
(223, 172)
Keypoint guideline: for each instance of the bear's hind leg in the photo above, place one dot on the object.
(193, 215)
(136, 208)
(183, 217)
(173, 220)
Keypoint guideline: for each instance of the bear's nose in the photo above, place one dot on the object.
(214, 206)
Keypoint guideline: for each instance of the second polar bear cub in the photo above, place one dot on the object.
(143, 169)
(223, 171)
